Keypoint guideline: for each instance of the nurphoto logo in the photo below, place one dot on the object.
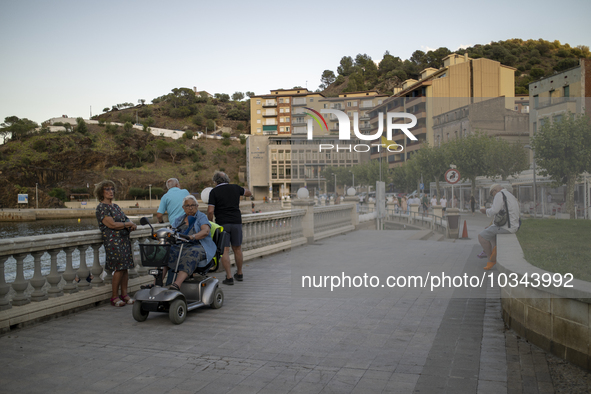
(345, 130)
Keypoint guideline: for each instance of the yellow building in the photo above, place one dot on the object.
(461, 82)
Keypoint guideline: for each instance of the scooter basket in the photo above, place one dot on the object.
(154, 255)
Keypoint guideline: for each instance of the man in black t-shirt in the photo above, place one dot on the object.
(224, 203)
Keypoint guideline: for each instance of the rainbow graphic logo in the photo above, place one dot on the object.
(316, 118)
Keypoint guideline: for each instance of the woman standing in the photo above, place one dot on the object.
(115, 228)
(404, 204)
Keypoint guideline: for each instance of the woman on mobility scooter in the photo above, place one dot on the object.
(199, 251)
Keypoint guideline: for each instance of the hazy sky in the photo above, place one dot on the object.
(62, 57)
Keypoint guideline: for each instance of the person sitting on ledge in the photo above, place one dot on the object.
(488, 237)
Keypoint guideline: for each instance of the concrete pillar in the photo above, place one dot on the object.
(453, 222)
(308, 218)
(20, 284)
(83, 270)
(4, 287)
(353, 200)
(38, 281)
(96, 270)
(54, 277)
(69, 274)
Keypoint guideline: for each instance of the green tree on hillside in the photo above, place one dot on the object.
(327, 78)
(17, 128)
(238, 96)
(563, 151)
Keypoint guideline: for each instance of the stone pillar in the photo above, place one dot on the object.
(20, 284)
(438, 210)
(54, 278)
(96, 270)
(307, 221)
(4, 287)
(69, 274)
(83, 270)
(414, 211)
(38, 281)
(453, 222)
(353, 200)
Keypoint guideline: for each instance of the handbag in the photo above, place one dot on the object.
(502, 217)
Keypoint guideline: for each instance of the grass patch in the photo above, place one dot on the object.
(562, 246)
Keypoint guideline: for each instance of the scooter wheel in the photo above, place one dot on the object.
(138, 313)
(218, 299)
(178, 311)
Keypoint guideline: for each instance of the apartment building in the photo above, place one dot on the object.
(461, 81)
(280, 158)
(554, 96)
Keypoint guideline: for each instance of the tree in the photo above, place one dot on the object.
(127, 127)
(250, 94)
(506, 159)
(17, 128)
(469, 155)
(346, 67)
(136, 192)
(237, 96)
(106, 109)
(223, 97)
(432, 163)
(81, 127)
(563, 151)
(210, 112)
(210, 125)
(327, 78)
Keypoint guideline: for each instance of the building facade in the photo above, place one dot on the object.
(461, 81)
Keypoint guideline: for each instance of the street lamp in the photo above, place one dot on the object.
(150, 185)
(535, 187)
(335, 184)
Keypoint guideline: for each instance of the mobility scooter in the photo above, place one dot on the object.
(196, 291)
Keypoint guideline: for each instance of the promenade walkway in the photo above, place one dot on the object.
(272, 336)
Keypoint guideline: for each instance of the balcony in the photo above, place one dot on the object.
(267, 114)
(298, 121)
(411, 101)
(298, 102)
(543, 102)
(270, 132)
(269, 103)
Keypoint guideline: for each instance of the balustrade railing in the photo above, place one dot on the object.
(57, 260)
(332, 217)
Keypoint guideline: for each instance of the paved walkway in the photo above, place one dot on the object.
(273, 336)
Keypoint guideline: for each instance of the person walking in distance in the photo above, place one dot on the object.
(224, 204)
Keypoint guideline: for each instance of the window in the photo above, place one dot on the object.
(258, 130)
(287, 129)
(536, 101)
(566, 91)
(287, 100)
(258, 121)
(557, 118)
(349, 104)
(311, 99)
(325, 105)
(258, 111)
(258, 102)
(280, 101)
(282, 129)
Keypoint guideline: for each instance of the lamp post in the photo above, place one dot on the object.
(36, 196)
(535, 186)
(150, 185)
(335, 184)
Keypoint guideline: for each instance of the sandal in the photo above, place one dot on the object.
(127, 299)
(117, 302)
(174, 286)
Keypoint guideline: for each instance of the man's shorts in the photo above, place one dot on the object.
(235, 234)
(490, 233)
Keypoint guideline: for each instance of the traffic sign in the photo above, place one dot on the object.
(452, 176)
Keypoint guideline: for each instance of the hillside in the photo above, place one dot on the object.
(533, 59)
(131, 158)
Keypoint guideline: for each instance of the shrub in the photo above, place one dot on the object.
(225, 142)
(136, 192)
(226, 135)
(188, 135)
(243, 139)
(210, 125)
(58, 192)
(157, 192)
(233, 150)
(127, 127)
(78, 190)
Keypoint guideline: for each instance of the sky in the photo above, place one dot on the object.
(71, 57)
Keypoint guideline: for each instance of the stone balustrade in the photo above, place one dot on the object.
(81, 254)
